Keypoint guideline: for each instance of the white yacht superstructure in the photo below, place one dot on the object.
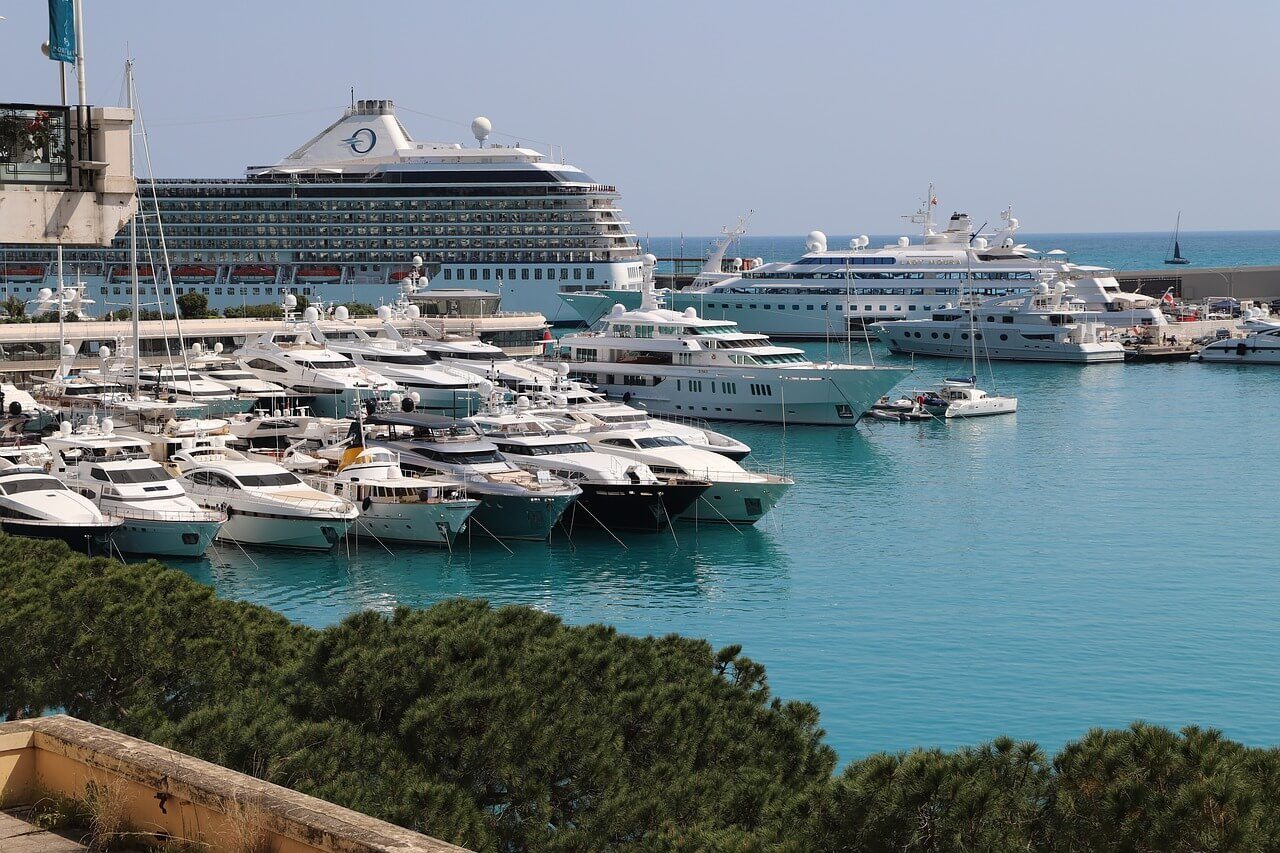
(1260, 345)
(679, 363)
(831, 292)
(1042, 325)
(36, 504)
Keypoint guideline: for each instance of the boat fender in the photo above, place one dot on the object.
(920, 399)
(1242, 348)
(366, 503)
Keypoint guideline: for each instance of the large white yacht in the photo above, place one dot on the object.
(265, 504)
(437, 388)
(678, 363)
(514, 504)
(1042, 325)
(292, 356)
(36, 504)
(395, 507)
(736, 496)
(208, 396)
(617, 493)
(832, 292)
(118, 474)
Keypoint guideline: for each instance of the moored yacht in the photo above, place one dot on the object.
(1041, 325)
(36, 504)
(678, 363)
(117, 473)
(832, 292)
(1260, 345)
(394, 506)
(736, 495)
(293, 357)
(264, 503)
(172, 382)
(617, 494)
(514, 503)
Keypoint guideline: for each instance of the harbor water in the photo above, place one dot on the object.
(1106, 554)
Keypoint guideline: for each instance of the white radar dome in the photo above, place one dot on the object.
(904, 241)
(68, 350)
(815, 242)
(417, 261)
(485, 387)
(617, 310)
(863, 241)
(290, 301)
(415, 312)
(481, 127)
(737, 263)
(65, 428)
(108, 425)
(218, 347)
(1013, 223)
(1042, 289)
(562, 369)
(650, 259)
(45, 294)
(340, 313)
(197, 348)
(522, 402)
(415, 397)
(104, 352)
(979, 243)
(384, 313)
(311, 315)
(690, 313)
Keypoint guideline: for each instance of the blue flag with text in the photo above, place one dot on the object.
(62, 30)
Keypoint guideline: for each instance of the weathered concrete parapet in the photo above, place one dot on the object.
(184, 797)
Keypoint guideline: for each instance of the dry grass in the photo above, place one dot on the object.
(247, 831)
(107, 807)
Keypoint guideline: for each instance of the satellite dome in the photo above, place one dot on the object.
(485, 387)
(1042, 289)
(690, 313)
(904, 242)
(417, 261)
(650, 259)
(979, 243)
(815, 242)
(1008, 243)
(617, 310)
(562, 369)
(384, 313)
(737, 263)
(415, 397)
(863, 241)
(45, 294)
(68, 350)
(1013, 223)
(290, 301)
(65, 427)
(311, 315)
(217, 347)
(340, 313)
(522, 402)
(108, 425)
(395, 400)
(415, 312)
(561, 400)
(104, 352)
(197, 348)
(481, 127)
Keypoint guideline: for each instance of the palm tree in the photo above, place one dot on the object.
(13, 306)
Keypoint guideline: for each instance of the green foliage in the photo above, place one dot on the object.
(193, 305)
(359, 309)
(13, 306)
(504, 729)
(262, 311)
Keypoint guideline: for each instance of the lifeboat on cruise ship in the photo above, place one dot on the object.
(124, 272)
(254, 271)
(319, 273)
(188, 272)
(30, 272)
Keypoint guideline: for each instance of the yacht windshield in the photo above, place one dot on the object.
(546, 449)
(660, 441)
(334, 364)
(401, 358)
(149, 474)
(35, 484)
(471, 457)
(284, 478)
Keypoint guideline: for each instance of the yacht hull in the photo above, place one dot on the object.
(822, 397)
(1088, 353)
(530, 517)
(283, 532)
(165, 538)
(643, 507)
(90, 538)
(736, 503)
(414, 524)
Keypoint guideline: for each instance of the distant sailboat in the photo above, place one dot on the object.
(1177, 250)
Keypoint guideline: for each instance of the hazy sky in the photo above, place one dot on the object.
(1088, 116)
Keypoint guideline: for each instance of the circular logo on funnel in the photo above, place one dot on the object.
(362, 141)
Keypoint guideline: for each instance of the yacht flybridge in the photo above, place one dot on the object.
(832, 292)
(1043, 325)
(677, 363)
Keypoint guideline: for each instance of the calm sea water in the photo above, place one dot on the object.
(1106, 554)
(1118, 251)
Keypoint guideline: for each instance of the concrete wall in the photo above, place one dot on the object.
(183, 797)
(1199, 283)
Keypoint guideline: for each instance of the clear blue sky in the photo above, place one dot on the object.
(1088, 116)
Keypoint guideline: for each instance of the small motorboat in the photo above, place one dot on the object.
(902, 410)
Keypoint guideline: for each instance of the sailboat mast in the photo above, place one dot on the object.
(133, 247)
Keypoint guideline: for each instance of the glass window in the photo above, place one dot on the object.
(283, 478)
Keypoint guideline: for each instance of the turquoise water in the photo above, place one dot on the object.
(1118, 251)
(1107, 554)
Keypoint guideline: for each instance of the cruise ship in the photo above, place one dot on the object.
(833, 292)
(341, 218)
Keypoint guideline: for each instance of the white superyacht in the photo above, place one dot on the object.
(677, 363)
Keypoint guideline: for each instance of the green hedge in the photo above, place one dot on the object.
(504, 729)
